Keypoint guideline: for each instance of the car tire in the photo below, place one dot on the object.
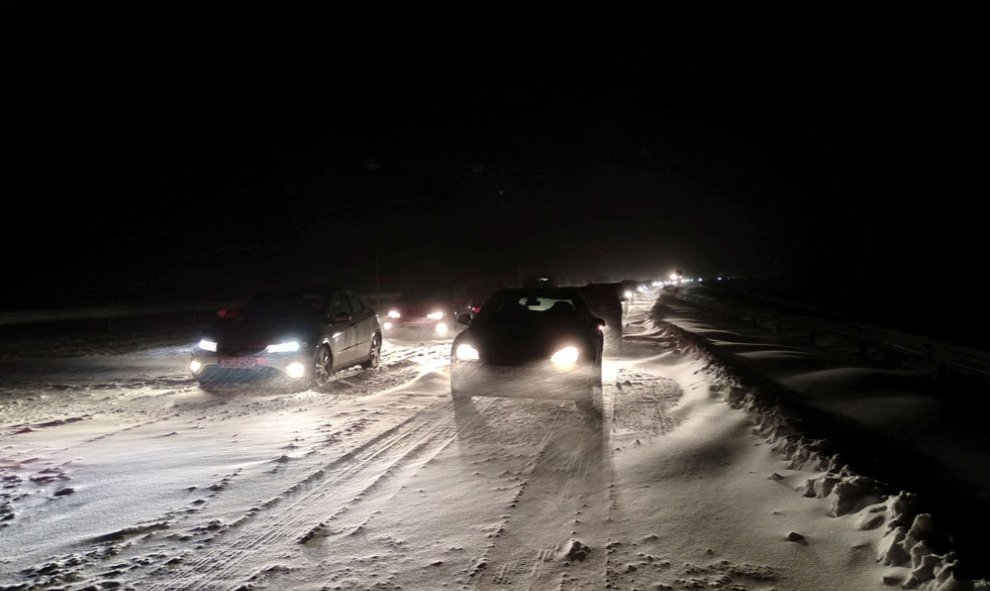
(375, 354)
(322, 367)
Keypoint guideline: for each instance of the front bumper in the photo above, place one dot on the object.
(208, 366)
(538, 380)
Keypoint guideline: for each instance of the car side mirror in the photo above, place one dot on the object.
(464, 319)
(340, 318)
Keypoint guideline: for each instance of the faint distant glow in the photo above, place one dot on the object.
(195, 366)
(387, 325)
(208, 345)
(565, 358)
(288, 347)
(442, 328)
(466, 352)
(394, 314)
(435, 315)
(295, 370)
(719, 278)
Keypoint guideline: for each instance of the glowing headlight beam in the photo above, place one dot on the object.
(295, 370)
(565, 358)
(394, 314)
(288, 347)
(442, 328)
(466, 352)
(435, 315)
(208, 345)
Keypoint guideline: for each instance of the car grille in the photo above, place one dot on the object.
(240, 351)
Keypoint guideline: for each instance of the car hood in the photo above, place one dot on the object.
(519, 344)
(257, 334)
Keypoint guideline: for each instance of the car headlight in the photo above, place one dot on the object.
(442, 328)
(565, 358)
(435, 315)
(208, 345)
(387, 325)
(287, 347)
(466, 352)
(394, 314)
(295, 370)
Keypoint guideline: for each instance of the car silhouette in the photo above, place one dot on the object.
(302, 335)
(539, 342)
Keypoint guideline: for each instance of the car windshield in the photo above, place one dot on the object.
(527, 307)
(285, 305)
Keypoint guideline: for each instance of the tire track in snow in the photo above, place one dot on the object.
(301, 508)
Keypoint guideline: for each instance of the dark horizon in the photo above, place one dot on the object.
(165, 172)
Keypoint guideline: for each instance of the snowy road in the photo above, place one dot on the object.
(118, 471)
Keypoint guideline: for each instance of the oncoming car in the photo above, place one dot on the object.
(422, 315)
(530, 342)
(302, 335)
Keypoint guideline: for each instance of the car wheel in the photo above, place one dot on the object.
(322, 367)
(375, 355)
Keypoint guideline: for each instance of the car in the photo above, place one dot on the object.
(302, 335)
(541, 342)
(418, 314)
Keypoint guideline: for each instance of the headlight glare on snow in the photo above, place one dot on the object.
(208, 345)
(466, 352)
(565, 358)
(287, 347)
(387, 325)
(442, 328)
(195, 366)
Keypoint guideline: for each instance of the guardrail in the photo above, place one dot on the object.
(944, 355)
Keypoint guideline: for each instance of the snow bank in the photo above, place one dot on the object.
(907, 544)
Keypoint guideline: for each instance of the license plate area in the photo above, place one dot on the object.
(238, 362)
(505, 372)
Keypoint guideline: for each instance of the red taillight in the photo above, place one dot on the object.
(475, 309)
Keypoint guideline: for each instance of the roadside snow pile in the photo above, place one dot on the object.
(907, 544)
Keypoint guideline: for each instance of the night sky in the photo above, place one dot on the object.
(150, 167)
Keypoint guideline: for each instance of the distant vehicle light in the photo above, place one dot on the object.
(394, 314)
(208, 345)
(466, 352)
(565, 358)
(295, 370)
(628, 294)
(195, 366)
(289, 347)
(435, 315)
(442, 328)
(387, 325)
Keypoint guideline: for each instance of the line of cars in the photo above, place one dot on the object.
(538, 341)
